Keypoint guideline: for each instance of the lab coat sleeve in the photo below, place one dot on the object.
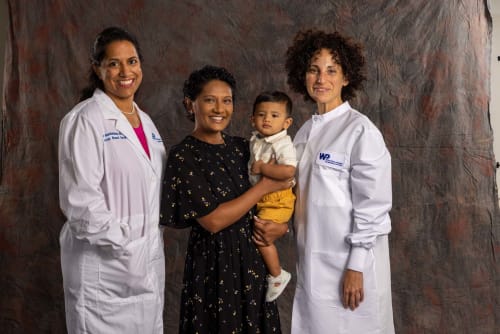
(81, 170)
(371, 194)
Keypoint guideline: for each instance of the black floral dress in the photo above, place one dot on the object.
(224, 275)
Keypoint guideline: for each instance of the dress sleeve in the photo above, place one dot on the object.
(371, 194)
(187, 193)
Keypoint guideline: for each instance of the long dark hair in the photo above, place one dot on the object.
(98, 52)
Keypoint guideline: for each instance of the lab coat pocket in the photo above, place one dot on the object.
(329, 186)
(126, 276)
(326, 274)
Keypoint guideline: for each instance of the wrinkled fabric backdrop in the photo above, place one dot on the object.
(427, 90)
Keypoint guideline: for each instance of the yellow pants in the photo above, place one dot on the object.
(277, 206)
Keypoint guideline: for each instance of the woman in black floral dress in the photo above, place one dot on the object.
(206, 188)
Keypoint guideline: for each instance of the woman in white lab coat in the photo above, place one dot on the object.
(343, 195)
(111, 160)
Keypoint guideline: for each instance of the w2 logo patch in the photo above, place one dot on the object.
(324, 156)
(330, 159)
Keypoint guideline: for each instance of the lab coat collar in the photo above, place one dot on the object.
(111, 111)
(334, 113)
(270, 139)
(108, 107)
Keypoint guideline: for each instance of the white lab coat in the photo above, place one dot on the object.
(341, 221)
(112, 255)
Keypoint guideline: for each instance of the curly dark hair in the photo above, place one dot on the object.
(98, 52)
(346, 53)
(199, 78)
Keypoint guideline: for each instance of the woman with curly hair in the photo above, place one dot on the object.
(343, 195)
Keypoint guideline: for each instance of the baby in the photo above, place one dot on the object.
(271, 118)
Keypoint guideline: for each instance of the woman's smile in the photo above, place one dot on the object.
(212, 111)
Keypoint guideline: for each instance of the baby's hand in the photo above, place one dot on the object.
(256, 167)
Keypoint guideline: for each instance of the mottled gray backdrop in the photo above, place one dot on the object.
(427, 90)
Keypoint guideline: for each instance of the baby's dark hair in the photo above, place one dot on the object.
(274, 96)
(345, 52)
(199, 78)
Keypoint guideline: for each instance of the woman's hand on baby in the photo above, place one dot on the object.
(265, 232)
(273, 185)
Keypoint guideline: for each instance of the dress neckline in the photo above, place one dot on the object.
(224, 137)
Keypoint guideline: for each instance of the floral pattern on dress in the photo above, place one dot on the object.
(224, 276)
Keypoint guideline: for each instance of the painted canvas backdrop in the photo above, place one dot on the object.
(427, 90)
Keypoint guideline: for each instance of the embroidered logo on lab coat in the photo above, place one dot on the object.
(331, 159)
(113, 135)
(156, 138)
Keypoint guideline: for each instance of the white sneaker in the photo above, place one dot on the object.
(276, 285)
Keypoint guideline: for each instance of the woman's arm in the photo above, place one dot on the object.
(229, 212)
(372, 200)
(81, 198)
(371, 191)
(273, 170)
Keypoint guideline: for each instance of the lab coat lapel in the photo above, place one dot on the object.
(111, 112)
(125, 128)
(152, 138)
